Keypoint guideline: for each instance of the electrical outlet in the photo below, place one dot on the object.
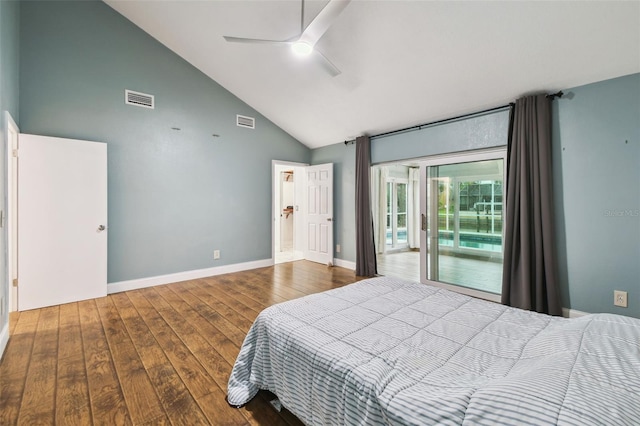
(620, 298)
(216, 254)
(337, 248)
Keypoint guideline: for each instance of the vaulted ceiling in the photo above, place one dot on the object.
(402, 63)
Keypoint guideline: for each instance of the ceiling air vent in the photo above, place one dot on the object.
(244, 121)
(138, 99)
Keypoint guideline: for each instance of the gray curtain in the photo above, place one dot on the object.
(529, 279)
(365, 248)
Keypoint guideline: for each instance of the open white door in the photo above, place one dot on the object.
(319, 213)
(12, 209)
(62, 214)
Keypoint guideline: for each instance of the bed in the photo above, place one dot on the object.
(392, 352)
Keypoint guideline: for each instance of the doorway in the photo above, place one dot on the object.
(395, 194)
(288, 212)
(439, 220)
(302, 223)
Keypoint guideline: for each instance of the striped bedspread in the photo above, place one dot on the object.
(391, 352)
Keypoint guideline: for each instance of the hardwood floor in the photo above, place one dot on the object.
(160, 355)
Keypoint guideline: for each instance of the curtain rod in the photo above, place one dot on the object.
(460, 117)
(433, 123)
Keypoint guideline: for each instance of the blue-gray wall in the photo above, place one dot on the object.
(174, 196)
(596, 137)
(478, 132)
(9, 65)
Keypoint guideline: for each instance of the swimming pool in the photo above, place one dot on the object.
(470, 240)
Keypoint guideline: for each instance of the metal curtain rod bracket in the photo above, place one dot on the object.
(552, 96)
(350, 142)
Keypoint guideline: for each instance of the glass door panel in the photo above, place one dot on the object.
(463, 215)
(401, 215)
(389, 233)
(396, 213)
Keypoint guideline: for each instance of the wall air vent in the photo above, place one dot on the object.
(244, 121)
(138, 99)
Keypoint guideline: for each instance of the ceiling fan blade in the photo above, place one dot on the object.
(326, 64)
(254, 40)
(321, 23)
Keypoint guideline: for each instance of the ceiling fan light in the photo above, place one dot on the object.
(302, 48)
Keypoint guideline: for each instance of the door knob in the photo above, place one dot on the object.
(101, 228)
(329, 219)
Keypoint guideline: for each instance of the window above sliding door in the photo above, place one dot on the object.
(462, 214)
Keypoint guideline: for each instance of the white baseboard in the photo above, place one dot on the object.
(572, 313)
(120, 286)
(344, 264)
(4, 338)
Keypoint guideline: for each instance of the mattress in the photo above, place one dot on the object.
(391, 352)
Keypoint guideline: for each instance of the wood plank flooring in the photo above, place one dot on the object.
(154, 356)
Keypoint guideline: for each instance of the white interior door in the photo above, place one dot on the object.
(12, 209)
(319, 213)
(62, 218)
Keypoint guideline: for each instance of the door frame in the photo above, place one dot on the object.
(276, 165)
(12, 209)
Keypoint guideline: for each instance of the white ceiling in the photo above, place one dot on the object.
(403, 63)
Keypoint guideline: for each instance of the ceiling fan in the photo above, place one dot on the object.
(304, 43)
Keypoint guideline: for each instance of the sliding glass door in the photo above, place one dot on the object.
(462, 221)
